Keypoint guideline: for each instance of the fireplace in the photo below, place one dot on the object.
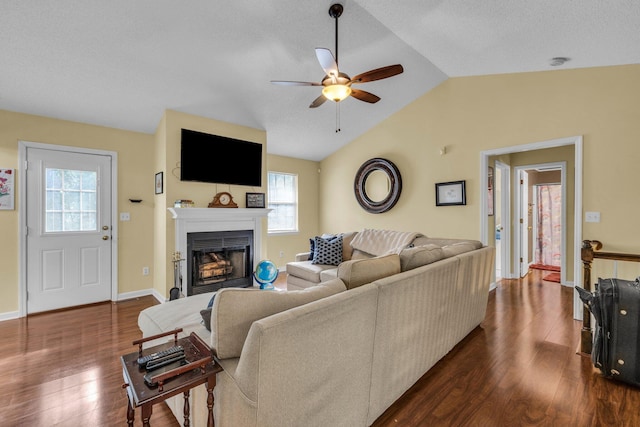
(206, 220)
(219, 259)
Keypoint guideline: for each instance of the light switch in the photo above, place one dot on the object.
(592, 216)
(124, 216)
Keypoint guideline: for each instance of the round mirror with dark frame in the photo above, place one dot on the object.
(383, 190)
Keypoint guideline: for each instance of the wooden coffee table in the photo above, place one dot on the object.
(201, 368)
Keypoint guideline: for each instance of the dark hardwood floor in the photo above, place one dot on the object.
(520, 368)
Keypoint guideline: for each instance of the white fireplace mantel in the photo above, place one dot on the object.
(196, 220)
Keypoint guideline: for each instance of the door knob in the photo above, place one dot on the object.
(105, 227)
(105, 237)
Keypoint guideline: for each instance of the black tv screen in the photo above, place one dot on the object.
(218, 159)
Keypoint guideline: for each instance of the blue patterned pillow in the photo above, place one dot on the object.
(312, 244)
(328, 252)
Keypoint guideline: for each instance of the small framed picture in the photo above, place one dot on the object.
(451, 193)
(255, 200)
(7, 189)
(159, 182)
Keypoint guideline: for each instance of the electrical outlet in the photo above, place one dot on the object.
(592, 216)
(145, 271)
(281, 254)
(124, 216)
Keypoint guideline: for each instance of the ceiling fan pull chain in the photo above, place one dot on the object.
(337, 117)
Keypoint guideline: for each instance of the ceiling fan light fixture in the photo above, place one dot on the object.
(336, 92)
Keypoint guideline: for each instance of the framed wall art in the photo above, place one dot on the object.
(451, 193)
(159, 182)
(255, 200)
(7, 190)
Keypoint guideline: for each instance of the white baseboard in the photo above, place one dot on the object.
(9, 315)
(142, 293)
(134, 294)
(492, 286)
(157, 295)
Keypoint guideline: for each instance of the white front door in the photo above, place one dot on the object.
(69, 225)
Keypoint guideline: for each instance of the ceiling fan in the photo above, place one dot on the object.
(337, 85)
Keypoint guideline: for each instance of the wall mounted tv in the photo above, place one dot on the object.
(218, 159)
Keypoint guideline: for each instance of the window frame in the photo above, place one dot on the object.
(295, 204)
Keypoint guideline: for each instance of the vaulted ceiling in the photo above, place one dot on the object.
(121, 63)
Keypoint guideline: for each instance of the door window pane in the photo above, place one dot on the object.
(71, 200)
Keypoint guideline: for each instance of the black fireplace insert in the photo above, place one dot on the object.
(219, 259)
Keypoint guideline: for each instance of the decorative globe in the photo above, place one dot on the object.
(266, 273)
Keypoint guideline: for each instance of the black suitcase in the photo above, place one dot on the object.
(615, 305)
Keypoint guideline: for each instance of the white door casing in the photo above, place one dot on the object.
(523, 220)
(503, 172)
(577, 143)
(68, 216)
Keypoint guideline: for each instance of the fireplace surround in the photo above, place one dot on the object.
(205, 220)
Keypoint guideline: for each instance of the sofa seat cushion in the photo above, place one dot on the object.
(173, 314)
(418, 256)
(327, 275)
(181, 313)
(307, 270)
(235, 310)
(359, 272)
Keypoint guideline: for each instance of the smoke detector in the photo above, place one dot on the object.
(558, 61)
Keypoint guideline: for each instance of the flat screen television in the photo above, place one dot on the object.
(218, 159)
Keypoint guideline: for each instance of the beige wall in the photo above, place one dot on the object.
(168, 161)
(135, 180)
(308, 181)
(465, 115)
(471, 114)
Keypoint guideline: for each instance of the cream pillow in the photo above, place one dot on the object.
(418, 256)
(359, 272)
(235, 309)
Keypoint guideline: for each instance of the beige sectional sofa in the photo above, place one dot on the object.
(338, 353)
(303, 273)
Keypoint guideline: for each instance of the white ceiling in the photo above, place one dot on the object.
(121, 63)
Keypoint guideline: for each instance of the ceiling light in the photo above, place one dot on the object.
(336, 92)
(558, 61)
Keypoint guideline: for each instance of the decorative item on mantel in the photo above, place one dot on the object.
(223, 200)
(183, 203)
(255, 200)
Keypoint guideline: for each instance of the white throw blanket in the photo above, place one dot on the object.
(381, 242)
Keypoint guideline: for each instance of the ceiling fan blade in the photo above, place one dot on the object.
(293, 83)
(318, 101)
(364, 96)
(327, 61)
(378, 74)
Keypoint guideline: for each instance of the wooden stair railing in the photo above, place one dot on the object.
(590, 252)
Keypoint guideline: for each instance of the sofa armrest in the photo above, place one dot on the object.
(307, 341)
(303, 256)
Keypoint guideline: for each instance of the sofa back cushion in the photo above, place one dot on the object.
(235, 309)
(359, 272)
(460, 248)
(347, 250)
(418, 256)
